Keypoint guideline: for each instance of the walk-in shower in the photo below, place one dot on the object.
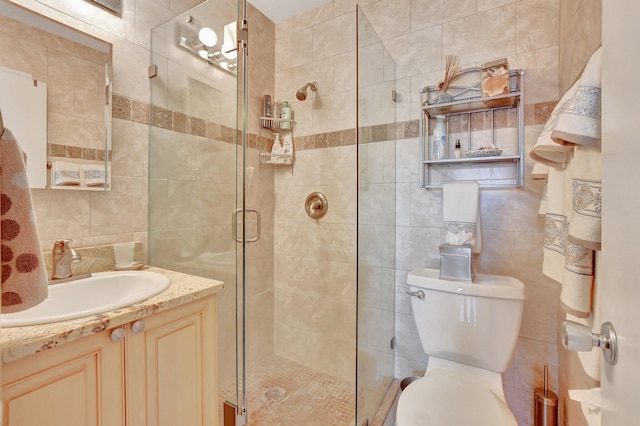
(306, 317)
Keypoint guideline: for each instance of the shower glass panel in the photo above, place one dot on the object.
(196, 173)
(376, 78)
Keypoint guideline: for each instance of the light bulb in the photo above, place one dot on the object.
(207, 36)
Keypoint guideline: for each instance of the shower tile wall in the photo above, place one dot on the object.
(315, 268)
(418, 35)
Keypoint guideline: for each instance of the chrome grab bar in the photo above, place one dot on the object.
(419, 294)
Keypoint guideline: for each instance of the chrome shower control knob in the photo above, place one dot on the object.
(137, 327)
(316, 205)
(117, 334)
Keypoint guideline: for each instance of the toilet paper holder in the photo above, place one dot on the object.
(578, 337)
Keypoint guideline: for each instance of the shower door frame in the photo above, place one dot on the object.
(239, 416)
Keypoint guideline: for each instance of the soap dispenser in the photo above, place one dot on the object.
(439, 145)
(285, 116)
(277, 150)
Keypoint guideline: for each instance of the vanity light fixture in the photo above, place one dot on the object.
(201, 41)
(207, 36)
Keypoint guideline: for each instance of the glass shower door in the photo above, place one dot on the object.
(197, 142)
(376, 219)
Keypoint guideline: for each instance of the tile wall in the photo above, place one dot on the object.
(98, 218)
(318, 46)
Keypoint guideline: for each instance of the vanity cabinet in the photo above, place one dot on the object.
(163, 372)
(79, 383)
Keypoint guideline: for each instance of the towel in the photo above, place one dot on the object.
(547, 151)
(573, 195)
(93, 174)
(65, 173)
(24, 278)
(591, 403)
(461, 214)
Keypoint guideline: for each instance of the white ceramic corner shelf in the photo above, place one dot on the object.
(102, 292)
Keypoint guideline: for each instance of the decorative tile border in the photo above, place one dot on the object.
(77, 152)
(130, 109)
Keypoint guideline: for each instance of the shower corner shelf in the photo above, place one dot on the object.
(279, 126)
(467, 100)
(276, 125)
(276, 159)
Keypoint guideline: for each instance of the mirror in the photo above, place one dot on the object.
(55, 97)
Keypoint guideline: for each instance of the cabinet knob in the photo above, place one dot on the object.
(137, 327)
(117, 334)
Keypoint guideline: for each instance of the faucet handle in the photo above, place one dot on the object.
(61, 245)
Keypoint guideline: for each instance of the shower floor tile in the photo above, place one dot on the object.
(284, 393)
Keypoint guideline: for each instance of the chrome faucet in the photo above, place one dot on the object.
(63, 257)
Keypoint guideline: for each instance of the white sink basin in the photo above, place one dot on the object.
(102, 292)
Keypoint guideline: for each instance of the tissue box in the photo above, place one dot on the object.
(456, 263)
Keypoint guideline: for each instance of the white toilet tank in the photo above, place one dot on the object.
(472, 323)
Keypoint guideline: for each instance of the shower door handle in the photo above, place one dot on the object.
(234, 225)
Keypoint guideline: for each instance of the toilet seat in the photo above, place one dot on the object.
(445, 397)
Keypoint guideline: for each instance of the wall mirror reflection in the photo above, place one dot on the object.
(55, 97)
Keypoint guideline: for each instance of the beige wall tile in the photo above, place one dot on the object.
(391, 18)
(313, 17)
(529, 360)
(417, 52)
(148, 15)
(75, 131)
(580, 36)
(539, 319)
(124, 209)
(122, 143)
(541, 78)
(333, 37)
(537, 24)
(473, 39)
(429, 13)
(294, 49)
(54, 217)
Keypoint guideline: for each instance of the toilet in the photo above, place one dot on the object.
(469, 331)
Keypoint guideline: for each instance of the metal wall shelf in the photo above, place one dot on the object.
(504, 171)
(280, 126)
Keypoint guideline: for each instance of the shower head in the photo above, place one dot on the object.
(301, 94)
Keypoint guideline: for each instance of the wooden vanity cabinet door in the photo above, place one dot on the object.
(171, 367)
(76, 384)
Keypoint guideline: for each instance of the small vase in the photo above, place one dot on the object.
(443, 98)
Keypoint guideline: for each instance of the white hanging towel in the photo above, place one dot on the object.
(461, 214)
(570, 145)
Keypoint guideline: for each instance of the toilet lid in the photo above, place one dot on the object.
(447, 398)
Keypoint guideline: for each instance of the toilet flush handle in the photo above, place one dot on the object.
(419, 294)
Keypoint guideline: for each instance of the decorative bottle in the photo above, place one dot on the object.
(458, 152)
(439, 145)
(285, 116)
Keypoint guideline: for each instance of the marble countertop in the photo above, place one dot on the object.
(18, 342)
